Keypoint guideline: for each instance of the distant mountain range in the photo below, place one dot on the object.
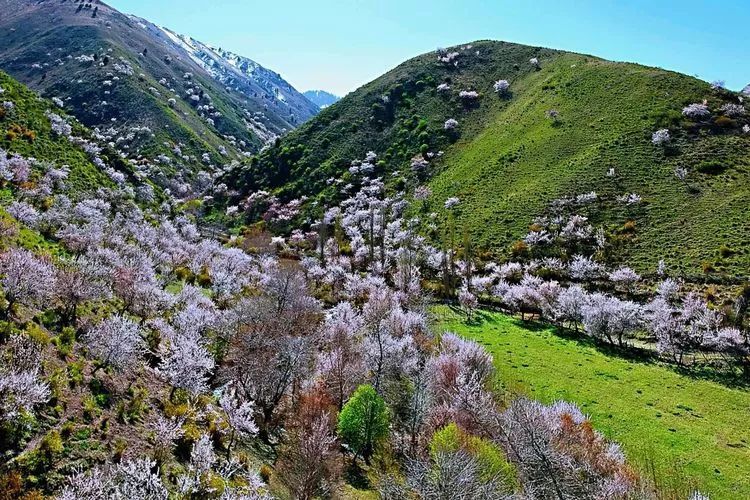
(189, 105)
(321, 98)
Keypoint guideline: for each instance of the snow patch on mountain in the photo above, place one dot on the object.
(232, 69)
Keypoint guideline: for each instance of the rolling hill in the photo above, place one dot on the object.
(162, 93)
(103, 250)
(569, 124)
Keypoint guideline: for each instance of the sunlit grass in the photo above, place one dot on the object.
(507, 174)
(680, 431)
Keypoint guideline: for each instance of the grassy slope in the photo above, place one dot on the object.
(84, 177)
(349, 129)
(509, 172)
(510, 161)
(29, 112)
(693, 431)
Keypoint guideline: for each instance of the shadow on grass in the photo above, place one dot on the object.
(629, 352)
(355, 476)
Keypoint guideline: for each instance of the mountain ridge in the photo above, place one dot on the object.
(234, 70)
(564, 122)
(122, 75)
(321, 98)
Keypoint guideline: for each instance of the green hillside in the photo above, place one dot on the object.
(26, 130)
(507, 160)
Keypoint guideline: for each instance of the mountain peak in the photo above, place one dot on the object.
(116, 71)
(321, 98)
(241, 73)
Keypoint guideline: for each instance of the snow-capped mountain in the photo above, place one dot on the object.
(242, 74)
(120, 72)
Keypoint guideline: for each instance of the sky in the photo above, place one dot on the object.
(340, 45)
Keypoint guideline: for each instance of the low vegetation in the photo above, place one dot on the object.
(507, 138)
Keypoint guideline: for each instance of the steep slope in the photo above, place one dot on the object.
(248, 78)
(520, 162)
(507, 159)
(26, 130)
(129, 78)
(321, 98)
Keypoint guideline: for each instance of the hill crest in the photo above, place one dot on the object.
(563, 123)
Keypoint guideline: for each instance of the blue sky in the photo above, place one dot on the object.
(340, 45)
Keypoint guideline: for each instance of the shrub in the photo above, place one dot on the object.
(265, 472)
(16, 130)
(51, 445)
(37, 334)
(58, 381)
(666, 118)
(707, 267)
(175, 410)
(67, 429)
(725, 122)
(65, 340)
(447, 439)
(119, 449)
(711, 167)
(11, 486)
(138, 404)
(628, 227)
(711, 293)
(726, 251)
(191, 433)
(492, 462)
(204, 279)
(184, 274)
(75, 372)
(90, 409)
(519, 248)
(29, 135)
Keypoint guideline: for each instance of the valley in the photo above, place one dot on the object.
(496, 271)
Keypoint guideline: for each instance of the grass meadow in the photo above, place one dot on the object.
(681, 432)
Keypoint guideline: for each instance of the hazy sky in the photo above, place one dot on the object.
(340, 45)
